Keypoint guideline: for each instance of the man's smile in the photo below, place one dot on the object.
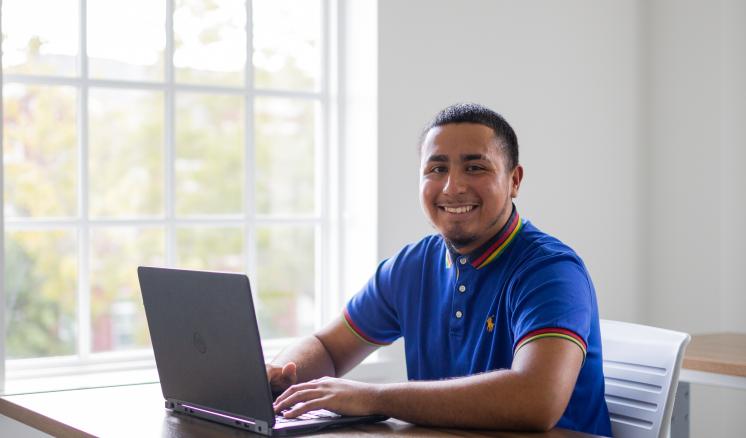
(457, 209)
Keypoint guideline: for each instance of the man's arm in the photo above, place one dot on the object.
(333, 351)
(532, 395)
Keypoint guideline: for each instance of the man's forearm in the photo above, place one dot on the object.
(310, 357)
(532, 395)
(496, 400)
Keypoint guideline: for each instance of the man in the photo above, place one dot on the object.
(500, 320)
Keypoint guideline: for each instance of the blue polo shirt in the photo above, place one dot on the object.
(462, 315)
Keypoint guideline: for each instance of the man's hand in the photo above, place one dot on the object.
(345, 397)
(281, 378)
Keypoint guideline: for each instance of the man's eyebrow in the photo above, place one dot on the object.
(472, 157)
(438, 158)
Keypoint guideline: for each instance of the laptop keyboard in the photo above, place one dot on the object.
(310, 415)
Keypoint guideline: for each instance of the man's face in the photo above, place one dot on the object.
(466, 189)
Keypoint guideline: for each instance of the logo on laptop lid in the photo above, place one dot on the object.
(199, 343)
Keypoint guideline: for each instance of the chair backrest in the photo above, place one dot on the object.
(641, 372)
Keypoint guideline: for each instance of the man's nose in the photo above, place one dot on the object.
(455, 183)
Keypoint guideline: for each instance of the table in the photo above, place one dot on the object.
(710, 359)
(137, 410)
(716, 359)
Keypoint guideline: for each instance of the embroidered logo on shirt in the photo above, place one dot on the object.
(490, 324)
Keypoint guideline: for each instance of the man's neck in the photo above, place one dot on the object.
(478, 247)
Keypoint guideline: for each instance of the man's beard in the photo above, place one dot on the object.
(461, 241)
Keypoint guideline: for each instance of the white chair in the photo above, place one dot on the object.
(641, 371)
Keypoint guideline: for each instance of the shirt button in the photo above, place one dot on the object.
(462, 260)
(462, 288)
(459, 314)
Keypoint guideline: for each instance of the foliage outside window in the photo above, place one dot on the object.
(136, 133)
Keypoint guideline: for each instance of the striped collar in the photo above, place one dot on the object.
(488, 252)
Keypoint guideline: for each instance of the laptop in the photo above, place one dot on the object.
(209, 354)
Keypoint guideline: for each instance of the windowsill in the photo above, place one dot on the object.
(377, 368)
(79, 377)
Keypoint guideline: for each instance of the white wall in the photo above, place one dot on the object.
(565, 75)
(696, 139)
(631, 116)
(695, 97)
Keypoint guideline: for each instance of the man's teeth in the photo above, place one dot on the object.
(459, 210)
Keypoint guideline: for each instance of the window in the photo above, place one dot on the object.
(140, 132)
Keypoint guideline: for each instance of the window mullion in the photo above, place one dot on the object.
(322, 286)
(83, 291)
(250, 216)
(3, 292)
(169, 153)
(328, 260)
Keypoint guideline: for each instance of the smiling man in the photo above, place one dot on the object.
(499, 319)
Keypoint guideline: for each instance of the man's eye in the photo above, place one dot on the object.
(474, 168)
(439, 169)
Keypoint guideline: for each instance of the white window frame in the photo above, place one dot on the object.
(2, 226)
(326, 221)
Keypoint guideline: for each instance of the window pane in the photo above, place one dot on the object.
(40, 152)
(285, 280)
(126, 39)
(125, 153)
(209, 168)
(287, 44)
(40, 36)
(40, 287)
(210, 41)
(117, 317)
(285, 155)
(210, 248)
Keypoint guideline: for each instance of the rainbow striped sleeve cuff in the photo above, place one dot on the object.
(553, 332)
(359, 333)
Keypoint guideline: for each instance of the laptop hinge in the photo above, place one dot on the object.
(243, 422)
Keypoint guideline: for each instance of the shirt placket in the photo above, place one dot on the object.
(460, 291)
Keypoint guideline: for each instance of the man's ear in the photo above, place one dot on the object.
(516, 176)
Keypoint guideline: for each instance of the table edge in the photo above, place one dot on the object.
(714, 366)
(38, 421)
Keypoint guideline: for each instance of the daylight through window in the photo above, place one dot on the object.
(183, 133)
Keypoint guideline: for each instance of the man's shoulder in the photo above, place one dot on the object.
(539, 253)
(534, 243)
(547, 270)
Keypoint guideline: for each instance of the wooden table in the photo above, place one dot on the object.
(710, 359)
(137, 411)
(716, 359)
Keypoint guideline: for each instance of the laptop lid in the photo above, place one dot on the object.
(206, 343)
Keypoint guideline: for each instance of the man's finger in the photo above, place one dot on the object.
(292, 400)
(287, 393)
(290, 391)
(290, 397)
(289, 370)
(303, 407)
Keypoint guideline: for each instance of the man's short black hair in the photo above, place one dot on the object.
(480, 114)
